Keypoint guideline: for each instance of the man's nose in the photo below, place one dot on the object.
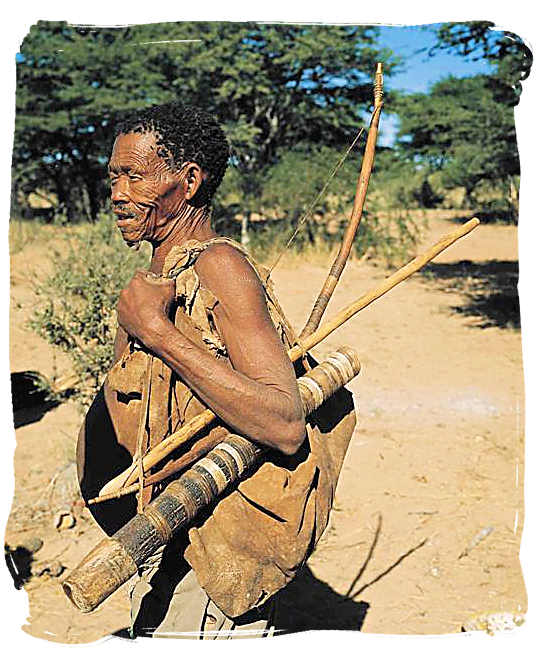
(118, 191)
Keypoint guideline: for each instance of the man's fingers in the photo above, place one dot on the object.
(142, 273)
(146, 275)
(159, 280)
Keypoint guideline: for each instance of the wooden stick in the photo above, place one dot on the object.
(161, 450)
(142, 430)
(199, 448)
(390, 282)
(339, 263)
(205, 418)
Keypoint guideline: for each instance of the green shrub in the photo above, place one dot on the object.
(77, 303)
(389, 238)
(299, 186)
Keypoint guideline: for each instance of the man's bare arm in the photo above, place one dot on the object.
(258, 395)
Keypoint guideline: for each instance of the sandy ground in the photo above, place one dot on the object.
(428, 514)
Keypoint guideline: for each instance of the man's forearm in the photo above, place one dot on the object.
(263, 412)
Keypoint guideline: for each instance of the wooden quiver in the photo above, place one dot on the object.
(114, 560)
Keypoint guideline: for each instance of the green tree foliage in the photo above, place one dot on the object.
(71, 83)
(272, 86)
(324, 202)
(462, 129)
(305, 171)
(399, 184)
(510, 57)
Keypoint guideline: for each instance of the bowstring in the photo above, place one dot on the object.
(308, 213)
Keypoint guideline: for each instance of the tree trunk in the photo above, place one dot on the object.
(468, 198)
(93, 200)
(245, 239)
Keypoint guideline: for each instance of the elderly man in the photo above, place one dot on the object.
(201, 328)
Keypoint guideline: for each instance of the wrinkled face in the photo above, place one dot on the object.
(144, 190)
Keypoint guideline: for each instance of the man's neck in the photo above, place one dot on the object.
(195, 224)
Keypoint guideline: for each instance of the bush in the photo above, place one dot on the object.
(389, 238)
(77, 310)
(498, 210)
(302, 176)
(24, 232)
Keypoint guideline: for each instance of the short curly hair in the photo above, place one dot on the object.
(184, 133)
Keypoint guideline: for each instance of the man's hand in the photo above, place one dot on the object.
(144, 306)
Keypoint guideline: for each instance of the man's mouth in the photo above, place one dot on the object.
(132, 225)
(123, 217)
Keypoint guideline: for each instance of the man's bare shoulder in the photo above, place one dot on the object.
(226, 272)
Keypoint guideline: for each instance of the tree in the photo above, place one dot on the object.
(462, 129)
(272, 86)
(71, 82)
(506, 51)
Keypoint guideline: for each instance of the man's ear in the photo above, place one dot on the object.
(193, 178)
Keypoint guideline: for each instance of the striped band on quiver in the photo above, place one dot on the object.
(325, 379)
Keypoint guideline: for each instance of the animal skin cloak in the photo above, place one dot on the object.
(253, 542)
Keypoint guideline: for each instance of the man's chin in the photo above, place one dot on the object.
(133, 244)
(132, 240)
(132, 229)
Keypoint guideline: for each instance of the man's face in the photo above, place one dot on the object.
(144, 190)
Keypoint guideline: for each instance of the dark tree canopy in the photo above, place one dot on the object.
(506, 51)
(271, 87)
(462, 129)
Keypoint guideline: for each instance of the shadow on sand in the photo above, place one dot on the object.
(31, 397)
(308, 603)
(19, 562)
(489, 288)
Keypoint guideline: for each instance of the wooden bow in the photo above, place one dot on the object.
(337, 268)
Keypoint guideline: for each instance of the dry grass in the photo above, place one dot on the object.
(25, 232)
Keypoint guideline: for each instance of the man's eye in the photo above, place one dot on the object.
(134, 177)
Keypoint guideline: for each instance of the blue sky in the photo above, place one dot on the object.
(419, 70)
